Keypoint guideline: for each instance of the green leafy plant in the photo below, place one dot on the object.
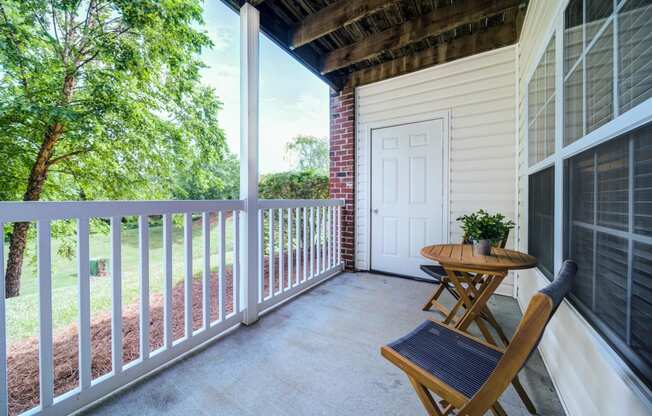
(484, 226)
(305, 184)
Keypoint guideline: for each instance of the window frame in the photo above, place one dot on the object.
(619, 343)
(621, 123)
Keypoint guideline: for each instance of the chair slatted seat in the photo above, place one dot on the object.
(466, 372)
(457, 360)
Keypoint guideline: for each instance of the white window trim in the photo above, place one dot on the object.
(620, 124)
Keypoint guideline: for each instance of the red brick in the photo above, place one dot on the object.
(342, 166)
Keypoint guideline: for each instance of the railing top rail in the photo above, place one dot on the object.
(296, 203)
(50, 211)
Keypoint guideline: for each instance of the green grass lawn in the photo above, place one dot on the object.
(22, 311)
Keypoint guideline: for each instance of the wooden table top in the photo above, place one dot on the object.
(461, 255)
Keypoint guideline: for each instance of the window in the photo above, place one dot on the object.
(609, 223)
(606, 70)
(635, 53)
(541, 224)
(588, 67)
(591, 77)
(541, 107)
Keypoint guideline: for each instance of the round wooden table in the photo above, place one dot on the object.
(461, 255)
(475, 278)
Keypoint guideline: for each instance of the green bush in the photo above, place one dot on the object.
(304, 184)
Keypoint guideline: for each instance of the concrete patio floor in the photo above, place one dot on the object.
(316, 355)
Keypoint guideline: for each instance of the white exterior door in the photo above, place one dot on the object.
(407, 194)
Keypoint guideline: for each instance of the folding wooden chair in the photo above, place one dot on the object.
(467, 373)
(438, 274)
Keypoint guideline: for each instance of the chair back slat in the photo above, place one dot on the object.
(528, 334)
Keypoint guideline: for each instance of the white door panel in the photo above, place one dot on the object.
(407, 194)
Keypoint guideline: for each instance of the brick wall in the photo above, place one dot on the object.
(342, 166)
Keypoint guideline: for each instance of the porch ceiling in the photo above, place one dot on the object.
(357, 42)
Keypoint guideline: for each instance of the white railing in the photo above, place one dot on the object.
(300, 246)
(308, 254)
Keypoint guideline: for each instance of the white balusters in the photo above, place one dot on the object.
(309, 253)
(297, 252)
(206, 276)
(84, 289)
(312, 243)
(333, 236)
(143, 242)
(222, 281)
(306, 241)
(168, 282)
(289, 247)
(261, 256)
(270, 260)
(281, 243)
(116, 294)
(329, 238)
(319, 246)
(43, 214)
(325, 239)
(339, 235)
(236, 261)
(46, 370)
(304, 276)
(187, 258)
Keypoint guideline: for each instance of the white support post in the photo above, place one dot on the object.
(249, 95)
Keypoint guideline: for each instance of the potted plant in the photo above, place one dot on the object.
(484, 230)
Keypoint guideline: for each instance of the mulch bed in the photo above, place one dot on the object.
(23, 359)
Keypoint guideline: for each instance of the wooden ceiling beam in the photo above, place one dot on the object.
(482, 41)
(432, 24)
(333, 17)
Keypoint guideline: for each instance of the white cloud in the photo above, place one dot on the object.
(222, 37)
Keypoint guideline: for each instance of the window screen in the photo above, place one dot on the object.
(609, 224)
(604, 48)
(541, 227)
(635, 50)
(541, 107)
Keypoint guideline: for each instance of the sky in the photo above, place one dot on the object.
(293, 101)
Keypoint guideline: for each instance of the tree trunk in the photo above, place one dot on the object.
(37, 177)
(18, 240)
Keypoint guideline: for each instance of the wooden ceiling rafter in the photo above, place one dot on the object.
(355, 42)
(333, 17)
(477, 42)
(431, 24)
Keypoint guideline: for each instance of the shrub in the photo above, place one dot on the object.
(305, 184)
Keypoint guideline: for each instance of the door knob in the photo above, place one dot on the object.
(375, 211)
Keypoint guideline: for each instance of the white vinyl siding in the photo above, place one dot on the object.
(479, 94)
(590, 378)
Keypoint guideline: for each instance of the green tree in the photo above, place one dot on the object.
(100, 99)
(308, 152)
(218, 180)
